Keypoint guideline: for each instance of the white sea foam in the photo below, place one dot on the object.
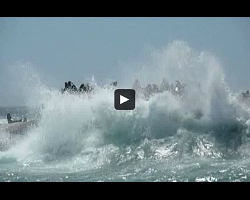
(209, 121)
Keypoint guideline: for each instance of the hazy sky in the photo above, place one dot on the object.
(75, 48)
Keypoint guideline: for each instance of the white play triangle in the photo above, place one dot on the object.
(123, 99)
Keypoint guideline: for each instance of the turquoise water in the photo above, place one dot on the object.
(134, 168)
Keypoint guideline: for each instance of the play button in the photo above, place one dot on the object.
(124, 99)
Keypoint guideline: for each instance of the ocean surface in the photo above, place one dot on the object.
(202, 136)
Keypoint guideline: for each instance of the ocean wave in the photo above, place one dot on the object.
(209, 121)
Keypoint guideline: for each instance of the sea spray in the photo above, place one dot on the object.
(166, 138)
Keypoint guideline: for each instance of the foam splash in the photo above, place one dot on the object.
(205, 120)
